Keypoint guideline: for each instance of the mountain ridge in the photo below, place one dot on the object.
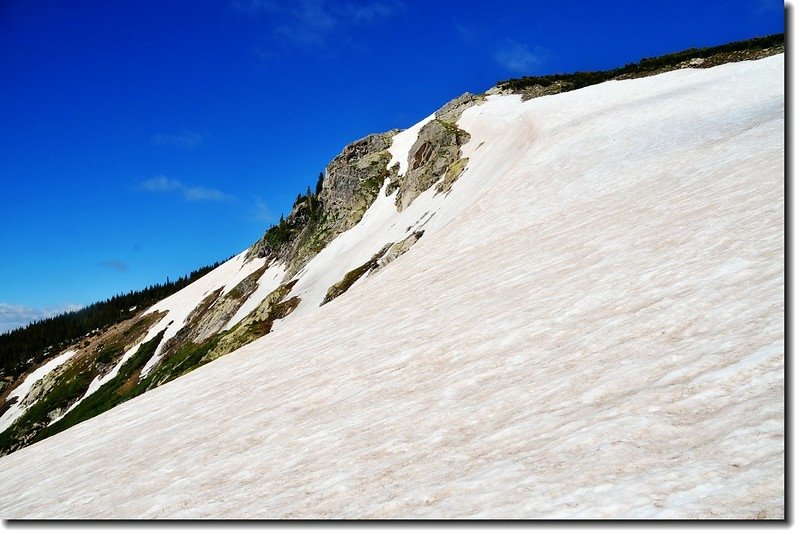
(422, 162)
(591, 326)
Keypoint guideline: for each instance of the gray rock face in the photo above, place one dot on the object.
(451, 112)
(436, 149)
(352, 182)
(258, 323)
(353, 179)
(213, 313)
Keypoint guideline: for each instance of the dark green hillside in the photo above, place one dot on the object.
(27, 347)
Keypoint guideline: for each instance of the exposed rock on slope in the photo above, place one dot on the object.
(352, 181)
(258, 323)
(52, 395)
(435, 156)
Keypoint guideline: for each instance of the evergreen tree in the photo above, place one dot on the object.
(319, 183)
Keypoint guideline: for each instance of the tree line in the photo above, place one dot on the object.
(578, 80)
(27, 346)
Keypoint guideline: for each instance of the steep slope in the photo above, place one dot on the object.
(590, 325)
(305, 254)
(317, 253)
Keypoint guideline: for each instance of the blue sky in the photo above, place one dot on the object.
(140, 140)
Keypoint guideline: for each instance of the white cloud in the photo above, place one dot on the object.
(312, 23)
(164, 184)
(161, 183)
(185, 139)
(200, 193)
(519, 58)
(13, 316)
(261, 211)
(372, 11)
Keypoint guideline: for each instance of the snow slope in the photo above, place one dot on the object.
(21, 392)
(591, 327)
(180, 305)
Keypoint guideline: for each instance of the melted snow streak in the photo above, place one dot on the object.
(595, 330)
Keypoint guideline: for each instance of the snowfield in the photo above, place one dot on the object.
(592, 326)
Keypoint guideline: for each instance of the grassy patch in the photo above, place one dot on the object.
(109, 354)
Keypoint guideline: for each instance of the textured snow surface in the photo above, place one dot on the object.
(15, 410)
(591, 327)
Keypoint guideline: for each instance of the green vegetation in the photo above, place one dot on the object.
(109, 354)
(352, 276)
(258, 328)
(735, 51)
(27, 347)
(122, 387)
(307, 208)
(258, 323)
(187, 358)
(71, 386)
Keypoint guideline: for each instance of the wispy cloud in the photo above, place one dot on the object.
(185, 139)
(466, 32)
(312, 23)
(260, 211)
(13, 316)
(164, 184)
(519, 58)
(116, 265)
(370, 12)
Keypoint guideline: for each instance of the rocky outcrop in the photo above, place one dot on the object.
(353, 275)
(397, 250)
(436, 155)
(451, 112)
(351, 184)
(213, 316)
(256, 324)
(353, 179)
